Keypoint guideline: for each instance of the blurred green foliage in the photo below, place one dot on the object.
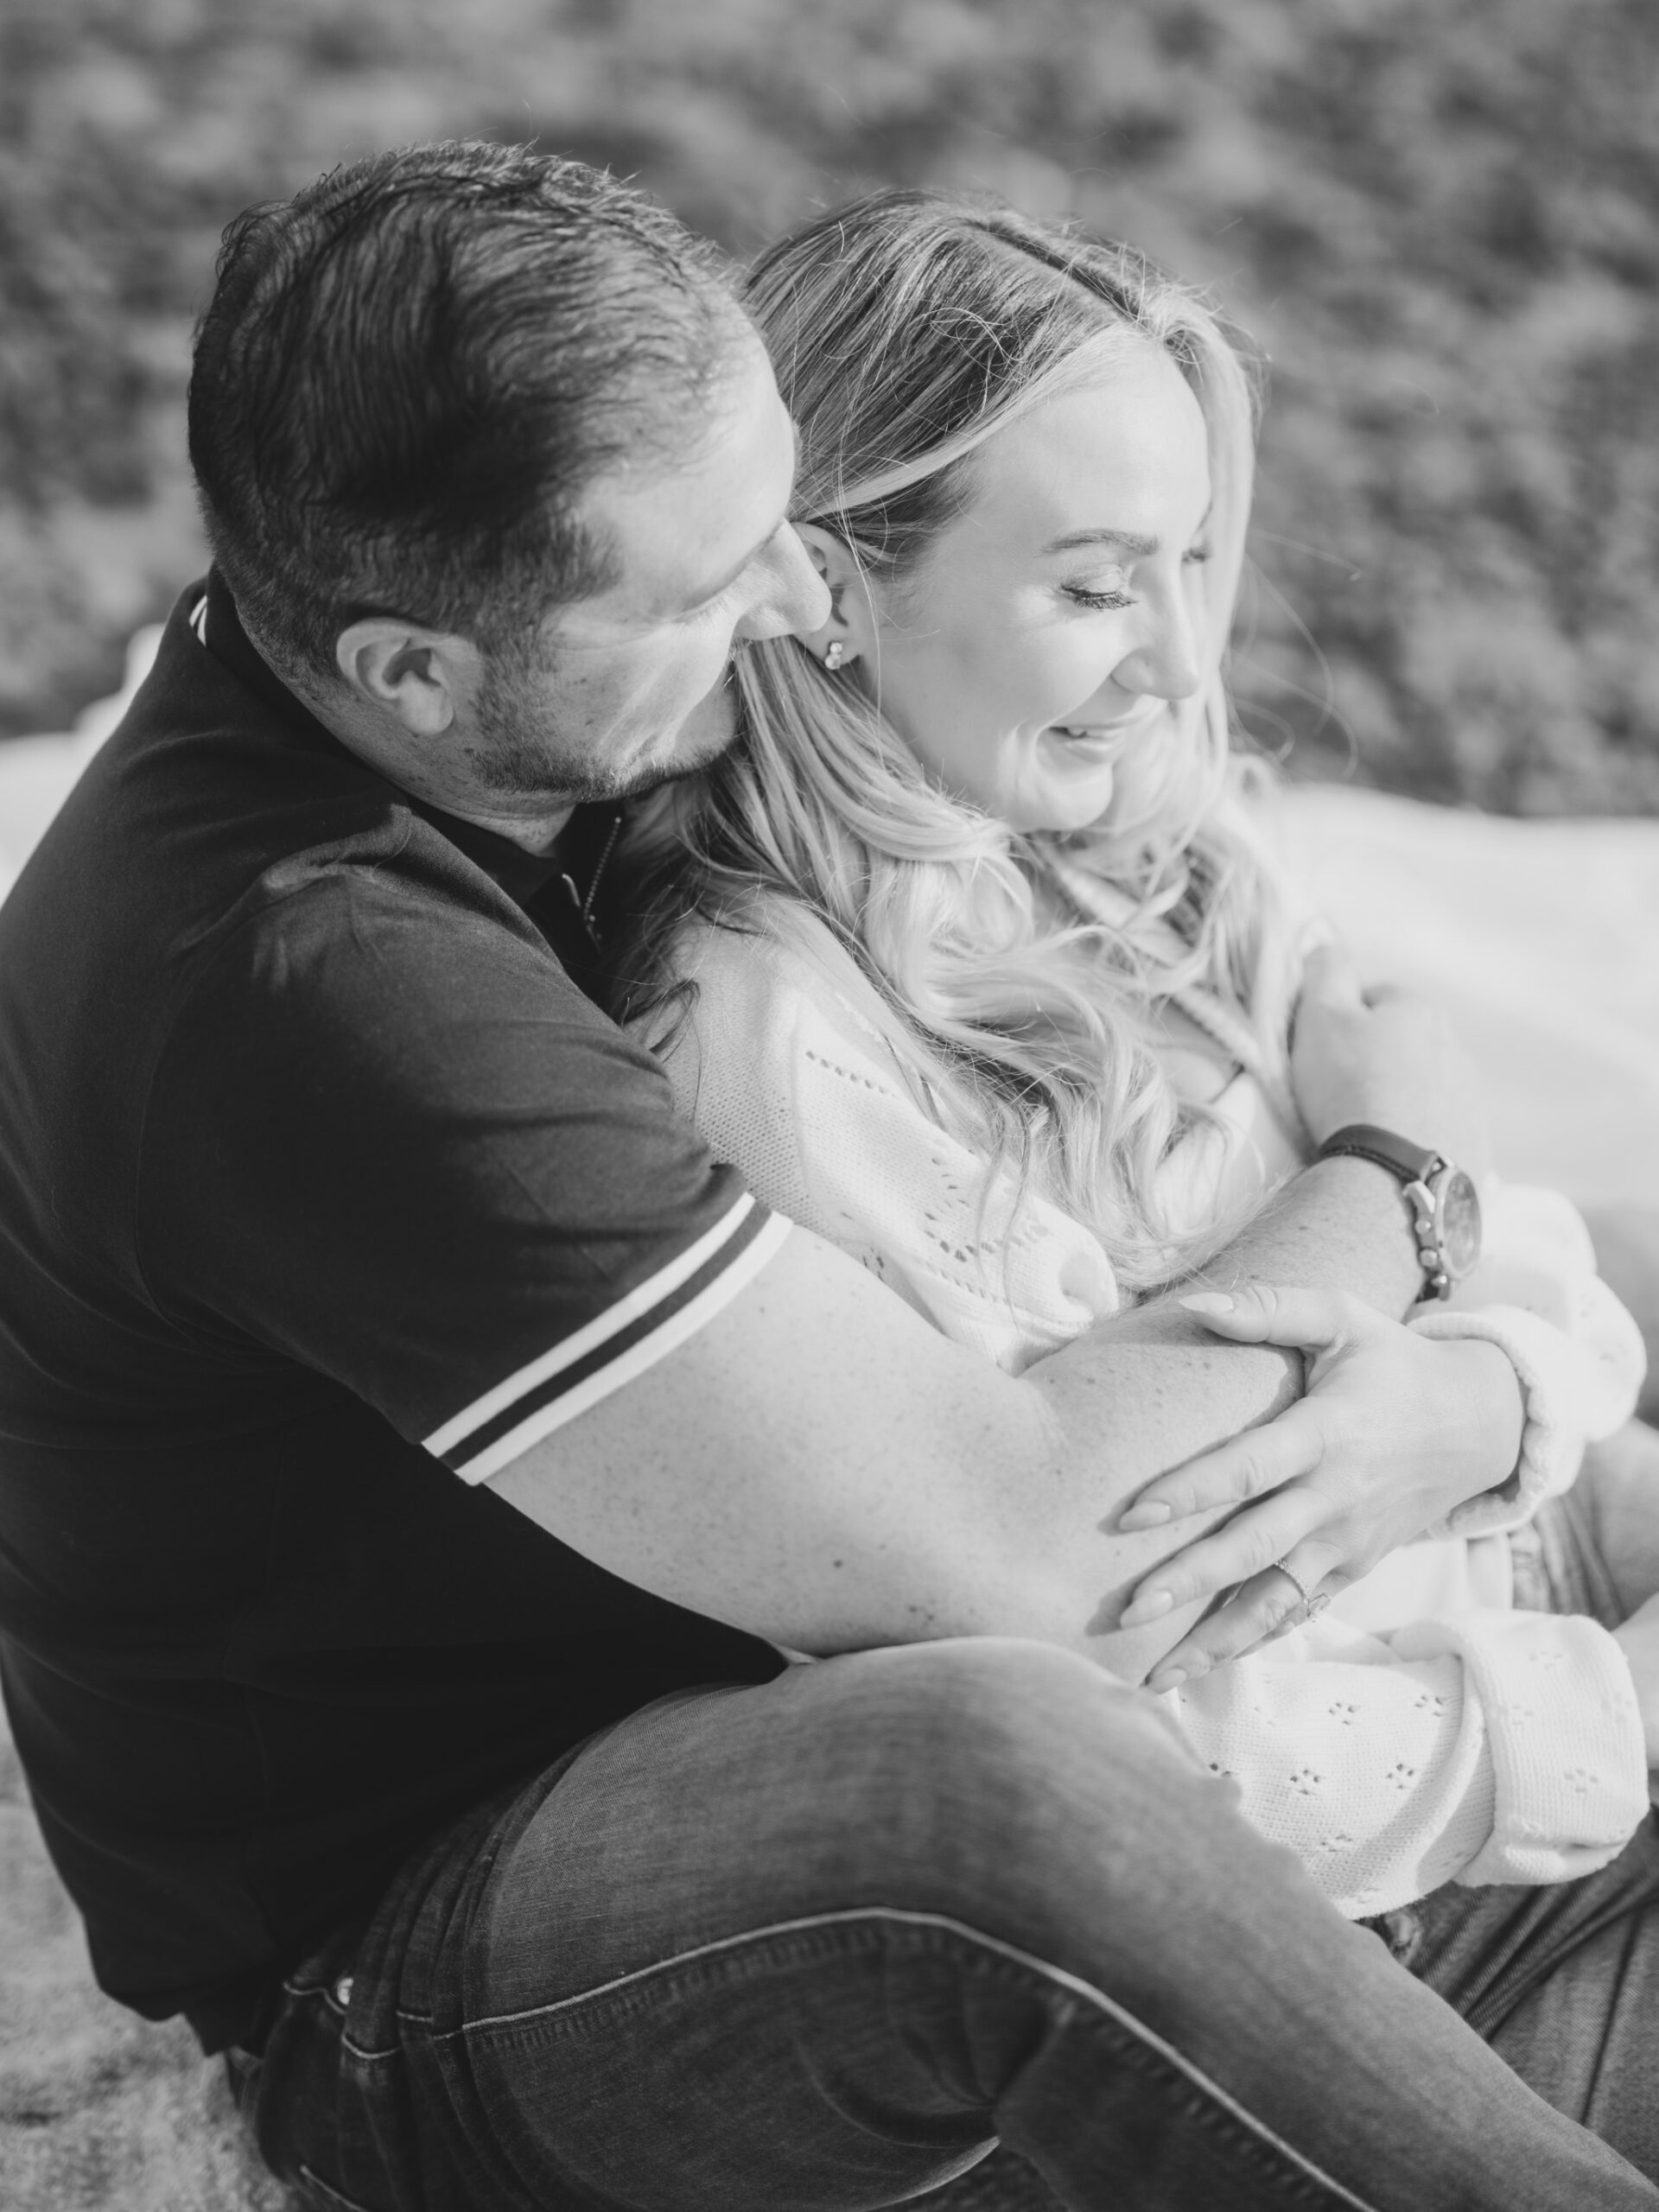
(1441, 217)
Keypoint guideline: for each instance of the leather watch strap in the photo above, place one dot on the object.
(1444, 1204)
(1364, 1140)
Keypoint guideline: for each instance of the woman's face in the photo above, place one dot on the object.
(1052, 625)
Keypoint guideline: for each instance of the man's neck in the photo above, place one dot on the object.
(537, 836)
(382, 743)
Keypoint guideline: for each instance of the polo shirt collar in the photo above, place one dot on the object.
(522, 875)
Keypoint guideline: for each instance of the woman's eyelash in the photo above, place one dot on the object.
(1114, 601)
(1084, 597)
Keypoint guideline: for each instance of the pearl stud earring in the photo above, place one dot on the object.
(834, 655)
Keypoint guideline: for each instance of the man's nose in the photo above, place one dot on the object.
(794, 600)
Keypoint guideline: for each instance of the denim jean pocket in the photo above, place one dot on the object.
(320, 2103)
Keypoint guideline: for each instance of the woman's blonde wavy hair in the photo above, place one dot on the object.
(905, 330)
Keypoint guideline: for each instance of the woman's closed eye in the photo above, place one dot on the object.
(1097, 597)
(1102, 597)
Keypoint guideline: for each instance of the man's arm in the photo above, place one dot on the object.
(818, 1465)
(410, 1157)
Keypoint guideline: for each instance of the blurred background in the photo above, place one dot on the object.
(1439, 217)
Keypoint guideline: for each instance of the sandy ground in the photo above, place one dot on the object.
(99, 2112)
(1542, 937)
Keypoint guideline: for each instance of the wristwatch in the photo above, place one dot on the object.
(1444, 1203)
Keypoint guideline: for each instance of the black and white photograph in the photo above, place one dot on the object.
(829, 1105)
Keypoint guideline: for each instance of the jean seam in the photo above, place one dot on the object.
(310, 2178)
(1215, 2103)
(299, 1991)
(323, 1989)
(376, 2057)
(1205, 2106)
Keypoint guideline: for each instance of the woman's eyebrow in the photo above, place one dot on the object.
(1130, 540)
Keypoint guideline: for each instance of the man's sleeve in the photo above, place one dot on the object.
(413, 1158)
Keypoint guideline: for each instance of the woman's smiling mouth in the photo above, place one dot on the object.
(1104, 736)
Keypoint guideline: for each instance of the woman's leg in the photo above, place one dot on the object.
(1564, 1982)
(819, 1944)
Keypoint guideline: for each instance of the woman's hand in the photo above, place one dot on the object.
(1384, 1055)
(1394, 1431)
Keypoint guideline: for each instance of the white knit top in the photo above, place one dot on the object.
(1419, 1730)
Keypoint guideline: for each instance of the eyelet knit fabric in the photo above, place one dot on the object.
(1420, 1732)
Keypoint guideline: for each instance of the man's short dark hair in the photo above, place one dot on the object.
(409, 373)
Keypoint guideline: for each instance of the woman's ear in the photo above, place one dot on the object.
(852, 614)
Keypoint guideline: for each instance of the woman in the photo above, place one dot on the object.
(969, 956)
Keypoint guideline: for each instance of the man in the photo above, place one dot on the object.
(497, 1846)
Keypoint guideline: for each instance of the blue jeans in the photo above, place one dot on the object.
(966, 1918)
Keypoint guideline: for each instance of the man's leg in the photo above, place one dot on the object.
(817, 1944)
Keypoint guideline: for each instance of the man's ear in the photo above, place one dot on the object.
(852, 623)
(422, 677)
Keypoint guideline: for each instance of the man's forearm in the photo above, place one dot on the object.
(1340, 1225)
(819, 1464)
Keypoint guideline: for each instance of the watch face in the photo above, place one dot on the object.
(1460, 1224)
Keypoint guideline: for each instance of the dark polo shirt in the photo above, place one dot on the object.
(324, 1192)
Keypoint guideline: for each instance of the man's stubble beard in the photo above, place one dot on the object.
(509, 763)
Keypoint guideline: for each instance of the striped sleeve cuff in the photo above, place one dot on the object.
(663, 1311)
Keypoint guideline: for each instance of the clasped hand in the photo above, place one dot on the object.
(1394, 1430)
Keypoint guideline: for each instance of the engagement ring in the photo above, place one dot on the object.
(1314, 1601)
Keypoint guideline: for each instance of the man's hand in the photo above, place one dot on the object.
(1394, 1430)
(1384, 1056)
